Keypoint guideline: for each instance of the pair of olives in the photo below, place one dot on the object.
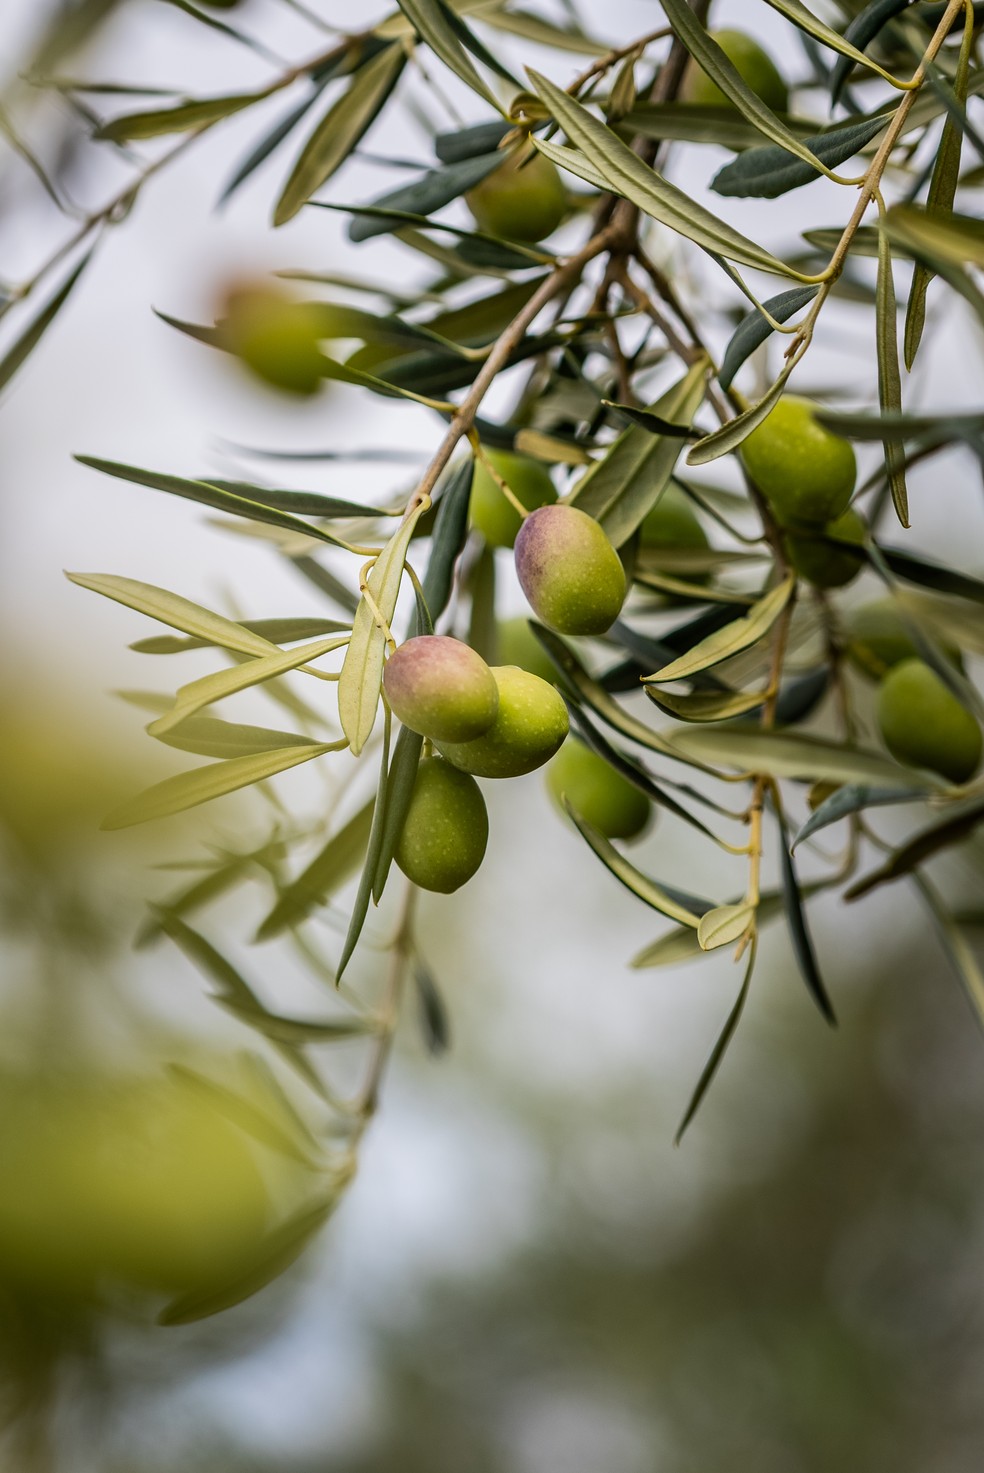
(569, 571)
(921, 721)
(807, 473)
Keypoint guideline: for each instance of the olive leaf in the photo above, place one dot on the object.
(862, 30)
(329, 869)
(444, 33)
(768, 172)
(724, 925)
(800, 16)
(24, 345)
(195, 113)
(784, 754)
(889, 377)
(720, 1048)
(178, 612)
(956, 824)
(733, 638)
(755, 329)
(667, 901)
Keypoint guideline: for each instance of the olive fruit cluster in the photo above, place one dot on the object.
(806, 474)
(485, 721)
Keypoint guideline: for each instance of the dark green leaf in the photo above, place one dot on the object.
(755, 329)
(854, 798)
(889, 377)
(441, 30)
(24, 345)
(769, 171)
(399, 791)
(431, 192)
(470, 143)
(862, 30)
(799, 932)
(374, 849)
(719, 1050)
(657, 896)
(434, 1022)
(927, 574)
(448, 540)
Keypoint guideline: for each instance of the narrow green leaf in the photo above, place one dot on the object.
(434, 1022)
(327, 871)
(954, 825)
(627, 174)
(724, 925)
(216, 687)
(431, 192)
(959, 952)
(768, 172)
(731, 435)
(681, 945)
(854, 798)
(431, 21)
(755, 329)
(179, 613)
(622, 488)
(705, 705)
(862, 30)
(927, 574)
(377, 829)
(188, 789)
(340, 130)
(276, 631)
(544, 32)
(273, 1257)
(245, 1114)
(358, 686)
(799, 932)
(889, 377)
(470, 143)
(696, 122)
(399, 791)
(942, 192)
(448, 540)
(733, 638)
(206, 736)
(279, 1029)
(784, 754)
(269, 142)
(719, 1050)
(800, 16)
(197, 113)
(28, 340)
(640, 885)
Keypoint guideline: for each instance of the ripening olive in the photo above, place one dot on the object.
(276, 337)
(754, 65)
(805, 472)
(491, 512)
(597, 793)
(516, 644)
(524, 199)
(446, 829)
(924, 725)
(136, 1180)
(569, 571)
(531, 723)
(441, 688)
(878, 638)
(820, 562)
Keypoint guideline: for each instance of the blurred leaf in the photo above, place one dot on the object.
(543, 32)
(768, 172)
(942, 192)
(668, 902)
(297, 1030)
(374, 849)
(244, 1113)
(276, 631)
(478, 584)
(854, 798)
(953, 826)
(932, 575)
(705, 705)
(755, 329)
(178, 612)
(434, 1022)
(889, 377)
(399, 791)
(340, 130)
(274, 1256)
(188, 789)
(627, 174)
(952, 237)
(955, 944)
(733, 638)
(215, 687)
(862, 29)
(785, 754)
(208, 737)
(470, 143)
(697, 122)
(443, 33)
(799, 932)
(299, 503)
(362, 670)
(719, 1050)
(681, 944)
(327, 871)
(622, 488)
(24, 345)
(196, 113)
(270, 141)
(207, 493)
(800, 16)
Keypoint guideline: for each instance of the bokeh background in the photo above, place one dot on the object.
(526, 1275)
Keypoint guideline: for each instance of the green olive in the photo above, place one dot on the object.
(531, 724)
(523, 200)
(878, 637)
(754, 65)
(805, 472)
(924, 725)
(446, 830)
(275, 337)
(569, 571)
(673, 523)
(441, 688)
(597, 793)
(490, 510)
(823, 564)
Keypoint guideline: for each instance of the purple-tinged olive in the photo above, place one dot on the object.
(569, 571)
(441, 688)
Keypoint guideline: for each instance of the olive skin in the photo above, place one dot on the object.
(523, 200)
(569, 571)
(134, 1180)
(597, 793)
(446, 830)
(441, 688)
(825, 566)
(877, 638)
(924, 725)
(491, 512)
(754, 65)
(516, 644)
(673, 523)
(531, 724)
(805, 472)
(275, 337)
